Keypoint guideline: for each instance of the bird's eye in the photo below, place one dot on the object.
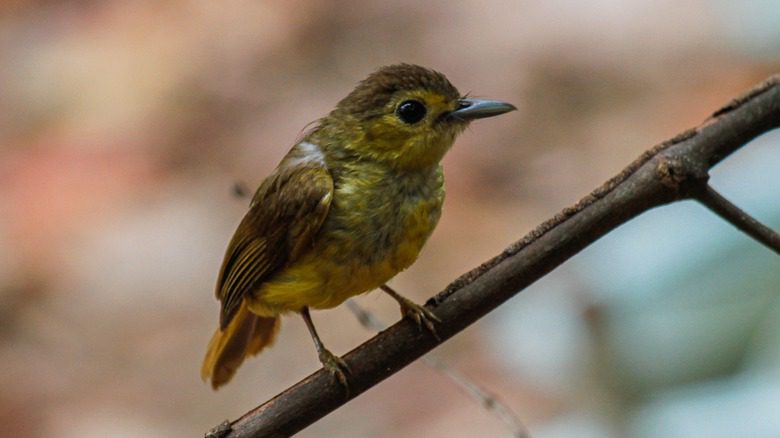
(410, 111)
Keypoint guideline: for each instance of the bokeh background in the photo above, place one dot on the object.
(124, 125)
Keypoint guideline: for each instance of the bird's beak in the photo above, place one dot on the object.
(471, 109)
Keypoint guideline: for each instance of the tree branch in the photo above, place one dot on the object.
(674, 170)
(733, 214)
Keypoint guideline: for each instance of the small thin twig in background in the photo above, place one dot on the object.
(739, 218)
(493, 405)
(241, 190)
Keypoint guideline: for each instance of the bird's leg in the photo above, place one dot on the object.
(332, 363)
(415, 312)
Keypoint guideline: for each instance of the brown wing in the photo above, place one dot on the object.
(286, 212)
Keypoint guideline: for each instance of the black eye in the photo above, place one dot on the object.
(410, 111)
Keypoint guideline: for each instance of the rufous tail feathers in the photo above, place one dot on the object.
(246, 335)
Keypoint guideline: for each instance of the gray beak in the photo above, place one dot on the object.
(471, 109)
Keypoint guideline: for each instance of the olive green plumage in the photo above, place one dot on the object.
(348, 207)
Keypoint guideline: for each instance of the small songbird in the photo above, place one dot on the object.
(349, 207)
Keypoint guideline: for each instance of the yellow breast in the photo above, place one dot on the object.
(372, 232)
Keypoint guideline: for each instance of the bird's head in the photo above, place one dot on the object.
(406, 115)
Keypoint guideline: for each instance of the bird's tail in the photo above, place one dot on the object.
(246, 335)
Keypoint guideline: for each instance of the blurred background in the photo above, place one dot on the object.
(124, 125)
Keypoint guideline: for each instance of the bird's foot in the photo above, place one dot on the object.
(419, 314)
(335, 366)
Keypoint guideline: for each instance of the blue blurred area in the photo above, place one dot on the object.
(751, 26)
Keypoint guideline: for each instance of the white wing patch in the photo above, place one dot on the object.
(309, 153)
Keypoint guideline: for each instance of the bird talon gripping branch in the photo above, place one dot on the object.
(335, 366)
(348, 207)
(417, 313)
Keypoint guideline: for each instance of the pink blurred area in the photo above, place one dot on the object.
(124, 125)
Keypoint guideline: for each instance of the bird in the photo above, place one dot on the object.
(348, 207)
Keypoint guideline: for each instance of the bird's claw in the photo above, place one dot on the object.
(335, 366)
(420, 315)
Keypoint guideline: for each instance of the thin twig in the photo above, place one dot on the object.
(366, 318)
(739, 218)
(491, 403)
(241, 190)
(669, 172)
